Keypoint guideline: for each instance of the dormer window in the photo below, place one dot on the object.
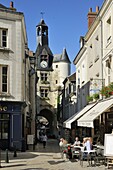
(43, 76)
(44, 58)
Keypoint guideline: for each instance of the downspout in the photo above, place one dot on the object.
(102, 54)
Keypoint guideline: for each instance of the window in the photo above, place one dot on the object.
(91, 46)
(56, 81)
(4, 79)
(108, 67)
(79, 81)
(44, 58)
(44, 92)
(97, 38)
(70, 88)
(43, 76)
(109, 75)
(56, 66)
(3, 39)
(108, 30)
(4, 126)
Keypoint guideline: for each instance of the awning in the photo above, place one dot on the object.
(67, 123)
(87, 119)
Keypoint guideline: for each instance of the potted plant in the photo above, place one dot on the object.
(89, 98)
(96, 96)
(105, 91)
(111, 88)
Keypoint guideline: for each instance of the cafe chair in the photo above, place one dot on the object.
(100, 158)
(89, 157)
(76, 153)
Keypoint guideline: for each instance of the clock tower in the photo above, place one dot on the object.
(51, 72)
(44, 67)
(44, 56)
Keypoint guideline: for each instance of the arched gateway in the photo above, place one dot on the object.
(50, 117)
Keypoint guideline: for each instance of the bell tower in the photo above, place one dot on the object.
(42, 33)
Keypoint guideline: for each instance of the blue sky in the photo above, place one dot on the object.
(66, 19)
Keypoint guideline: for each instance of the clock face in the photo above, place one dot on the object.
(43, 64)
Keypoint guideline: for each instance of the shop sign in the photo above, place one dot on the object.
(96, 86)
(3, 108)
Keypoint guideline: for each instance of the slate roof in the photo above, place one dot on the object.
(62, 57)
(2, 6)
(40, 48)
(42, 23)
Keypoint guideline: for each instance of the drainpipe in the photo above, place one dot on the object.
(102, 54)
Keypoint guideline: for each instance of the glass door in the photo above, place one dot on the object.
(4, 130)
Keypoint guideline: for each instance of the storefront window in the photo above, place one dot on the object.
(4, 126)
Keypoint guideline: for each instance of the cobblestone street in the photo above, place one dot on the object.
(48, 158)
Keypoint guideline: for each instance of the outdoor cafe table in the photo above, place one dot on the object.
(76, 150)
(88, 155)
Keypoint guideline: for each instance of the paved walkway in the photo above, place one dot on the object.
(48, 158)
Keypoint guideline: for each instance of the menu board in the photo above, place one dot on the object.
(30, 139)
(108, 145)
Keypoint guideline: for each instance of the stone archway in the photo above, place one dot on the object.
(50, 117)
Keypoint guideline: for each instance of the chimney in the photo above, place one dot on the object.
(11, 4)
(91, 16)
(97, 9)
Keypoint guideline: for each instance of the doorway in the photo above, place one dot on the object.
(4, 131)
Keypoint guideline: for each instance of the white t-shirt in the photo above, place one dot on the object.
(61, 144)
(88, 145)
(76, 143)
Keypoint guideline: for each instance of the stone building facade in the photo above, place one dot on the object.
(14, 79)
(95, 60)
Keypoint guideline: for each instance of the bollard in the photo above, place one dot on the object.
(15, 153)
(7, 158)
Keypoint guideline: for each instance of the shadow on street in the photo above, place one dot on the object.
(51, 147)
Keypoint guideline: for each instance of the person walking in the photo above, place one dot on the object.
(44, 140)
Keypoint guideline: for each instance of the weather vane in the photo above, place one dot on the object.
(42, 13)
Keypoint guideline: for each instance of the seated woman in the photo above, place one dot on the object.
(76, 150)
(76, 143)
(87, 143)
(63, 146)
